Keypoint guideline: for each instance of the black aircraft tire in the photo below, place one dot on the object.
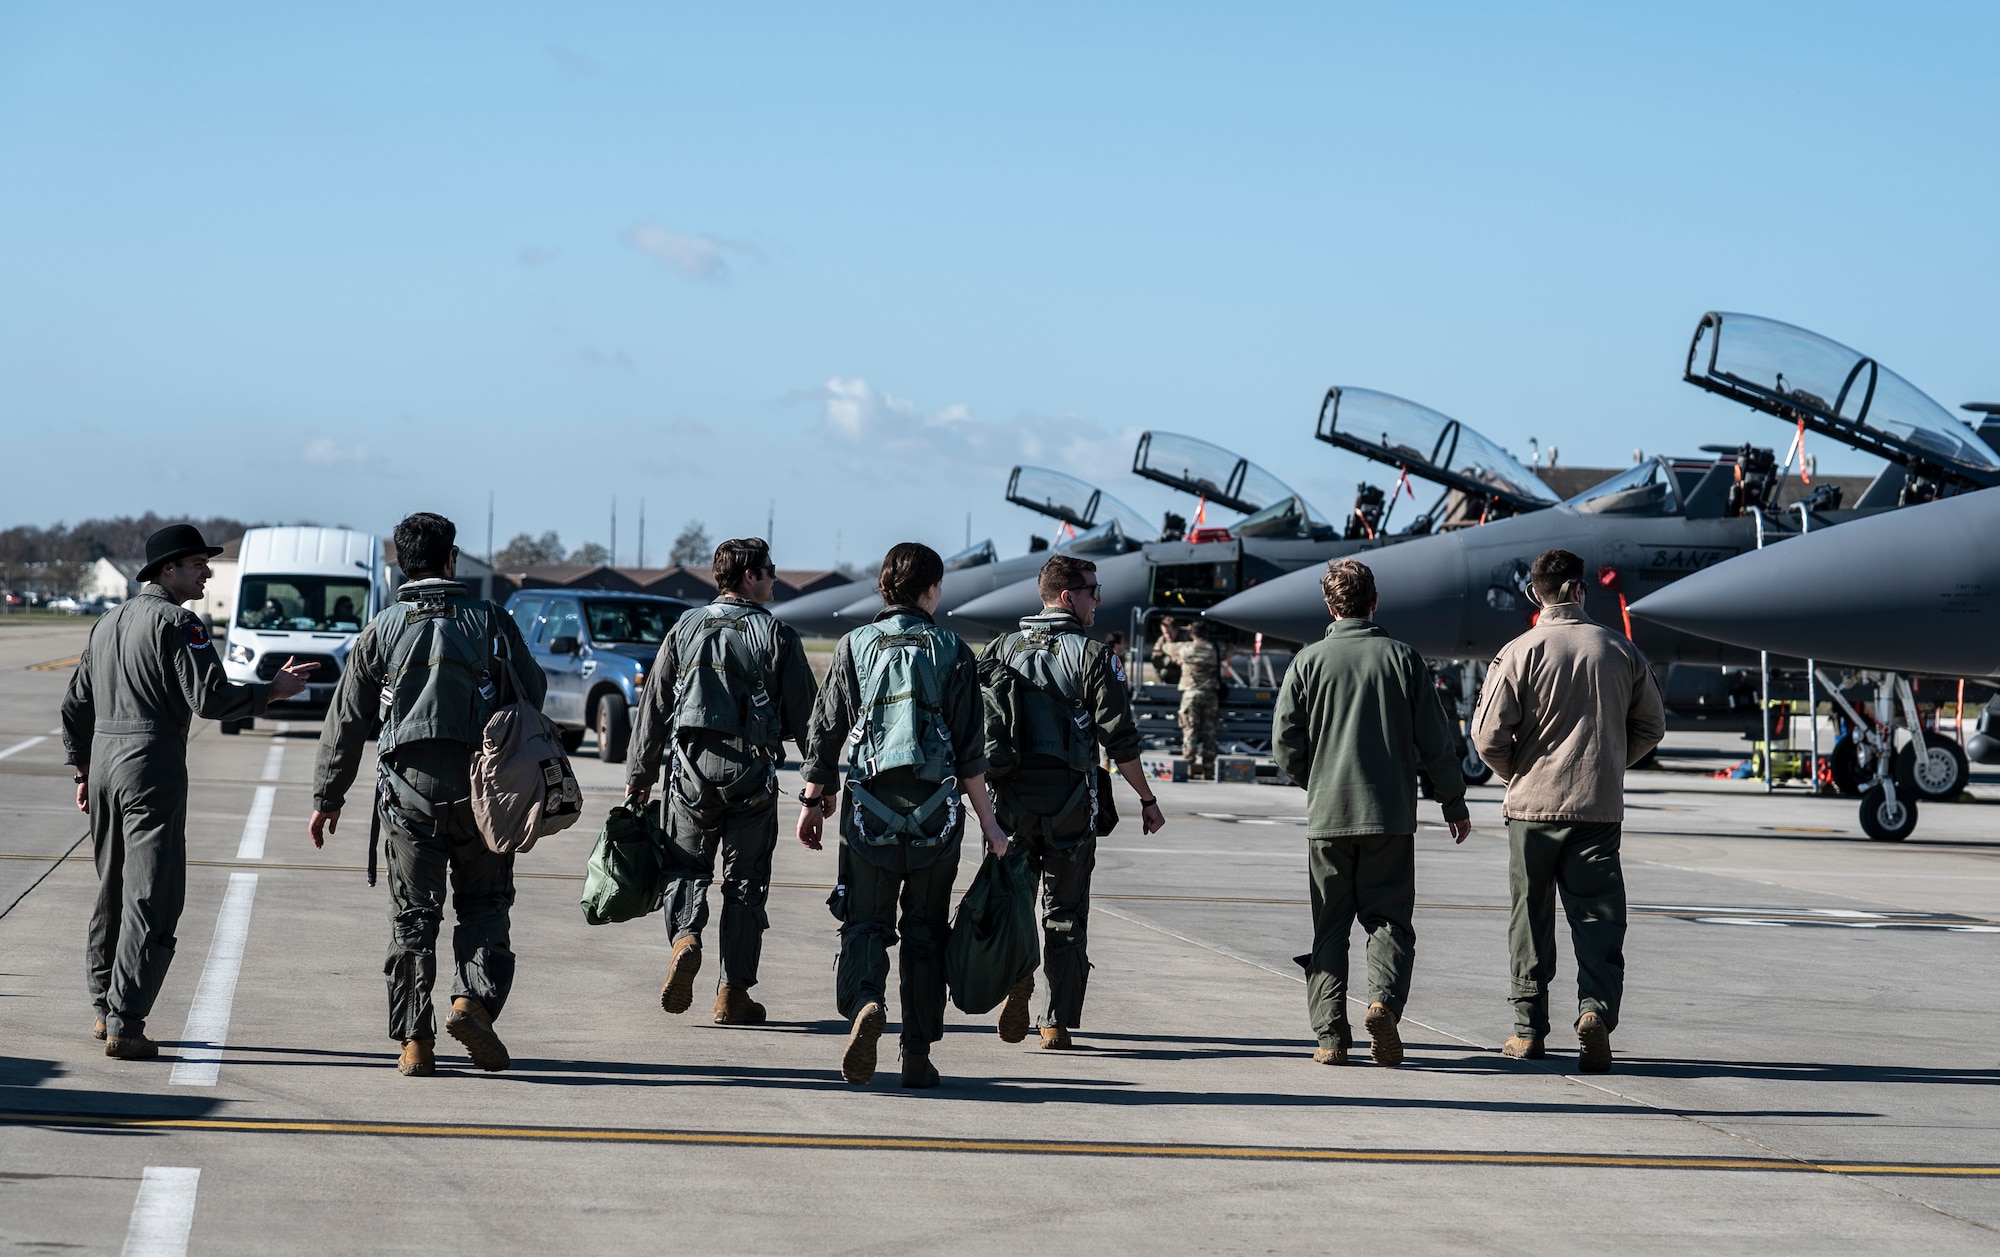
(1945, 770)
(1844, 762)
(1884, 821)
(614, 727)
(572, 740)
(1476, 771)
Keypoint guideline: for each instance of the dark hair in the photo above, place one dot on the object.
(908, 570)
(1554, 569)
(423, 544)
(1114, 640)
(738, 559)
(1062, 572)
(1349, 586)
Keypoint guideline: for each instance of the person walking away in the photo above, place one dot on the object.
(1567, 707)
(1200, 664)
(430, 668)
(1357, 717)
(902, 699)
(729, 684)
(148, 672)
(1072, 700)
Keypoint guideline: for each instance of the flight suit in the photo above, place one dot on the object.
(423, 796)
(899, 889)
(1201, 696)
(704, 820)
(1064, 852)
(147, 672)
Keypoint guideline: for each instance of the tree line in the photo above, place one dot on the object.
(53, 559)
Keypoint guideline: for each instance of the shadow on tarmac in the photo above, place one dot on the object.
(24, 1090)
(1800, 1071)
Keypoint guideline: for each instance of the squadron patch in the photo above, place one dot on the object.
(1118, 669)
(197, 635)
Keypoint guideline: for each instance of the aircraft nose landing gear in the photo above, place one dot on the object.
(1886, 816)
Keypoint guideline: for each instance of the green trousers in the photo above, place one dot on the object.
(1581, 862)
(1372, 878)
(897, 897)
(138, 837)
(702, 822)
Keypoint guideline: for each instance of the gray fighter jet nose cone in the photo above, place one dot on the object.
(1423, 590)
(1913, 590)
(818, 613)
(1001, 610)
(1289, 607)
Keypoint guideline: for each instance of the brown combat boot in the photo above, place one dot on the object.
(1055, 1039)
(419, 1058)
(1522, 1049)
(1593, 1039)
(1335, 1055)
(472, 1026)
(97, 1030)
(1386, 1045)
(135, 1047)
(734, 1007)
(677, 992)
(857, 1064)
(1014, 1016)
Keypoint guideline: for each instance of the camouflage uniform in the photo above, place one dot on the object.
(1201, 696)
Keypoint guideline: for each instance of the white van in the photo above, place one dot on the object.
(301, 593)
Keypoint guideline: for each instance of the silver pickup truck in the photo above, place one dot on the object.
(595, 645)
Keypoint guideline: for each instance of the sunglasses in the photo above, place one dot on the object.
(1095, 591)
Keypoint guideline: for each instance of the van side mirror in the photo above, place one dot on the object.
(564, 645)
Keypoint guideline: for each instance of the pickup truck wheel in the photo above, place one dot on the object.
(614, 727)
(572, 741)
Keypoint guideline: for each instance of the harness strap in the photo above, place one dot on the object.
(904, 824)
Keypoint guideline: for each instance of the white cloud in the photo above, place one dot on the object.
(329, 456)
(693, 256)
(881, 429)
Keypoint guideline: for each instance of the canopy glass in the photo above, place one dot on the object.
(1195, 466)
(1646, 489)
(1787, 370)
(1073, 501)
(972, 556)
(1402, 433)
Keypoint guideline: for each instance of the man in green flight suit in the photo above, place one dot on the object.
(729, 684)
(1200, 662)
(426, 668)
(1073, 699)
(147, 673)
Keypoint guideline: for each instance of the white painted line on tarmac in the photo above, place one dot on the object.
(257, 824)
(208, 1018)
(164, 1212)
(18, 747)
(274, 759)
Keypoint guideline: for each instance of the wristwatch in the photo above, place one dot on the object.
(79, 779)
(811, 800)
(1152, 802)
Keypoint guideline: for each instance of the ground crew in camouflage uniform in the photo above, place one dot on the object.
(1357, 718)
(423, 671)
(900, 824)
(729, 684)
(1200, 662)
(148, 672)
(1048, 798)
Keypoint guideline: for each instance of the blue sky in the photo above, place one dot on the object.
(345, 263)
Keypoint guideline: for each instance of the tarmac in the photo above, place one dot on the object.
(1807, 1059)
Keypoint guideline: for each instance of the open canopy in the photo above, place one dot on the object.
(1075, 502)
(1424, 443)
(1801, 376)
(978, 555)
(1194, 466)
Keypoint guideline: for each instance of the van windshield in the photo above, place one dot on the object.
(304, 604)
(635, 623)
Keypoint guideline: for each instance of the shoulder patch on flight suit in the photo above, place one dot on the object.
(197, 635)
(1117, 667)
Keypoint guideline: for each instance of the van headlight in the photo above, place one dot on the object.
(240, 652)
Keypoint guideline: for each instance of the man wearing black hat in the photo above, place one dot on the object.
(145, 676)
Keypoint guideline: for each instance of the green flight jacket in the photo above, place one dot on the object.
(1103, 690)
(351, 717)
(1357, 716)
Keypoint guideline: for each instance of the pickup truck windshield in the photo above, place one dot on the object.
(636, 623)
(304, 604)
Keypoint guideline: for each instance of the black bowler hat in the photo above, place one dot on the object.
(175, 541)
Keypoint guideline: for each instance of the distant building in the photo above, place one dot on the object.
(110, 578)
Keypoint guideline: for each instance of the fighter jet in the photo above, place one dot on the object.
(1912, 591)
(1280, 532)
(1463, 594)
(1093, 522)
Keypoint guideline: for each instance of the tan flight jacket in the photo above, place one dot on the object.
(1568, 706)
